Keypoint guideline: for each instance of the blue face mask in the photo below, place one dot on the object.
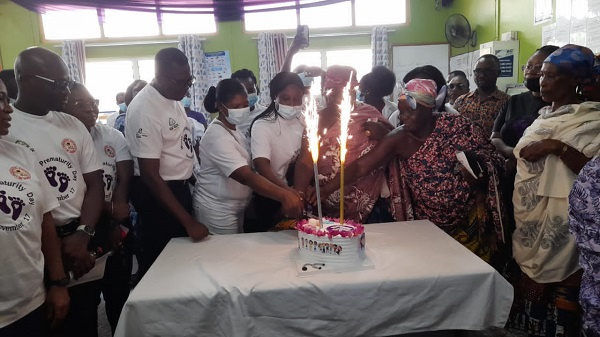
(252, 99)
(187, 102)
(122, 107)
(360, 96)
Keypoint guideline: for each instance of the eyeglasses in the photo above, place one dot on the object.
(456, 86)
(189, 82)
(91, 103)
(59, 85)
(534, 69)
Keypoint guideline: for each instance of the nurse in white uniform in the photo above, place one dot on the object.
(276, 138)
(226, 180)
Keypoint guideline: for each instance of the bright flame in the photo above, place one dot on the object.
(311, 115)
(345, 110)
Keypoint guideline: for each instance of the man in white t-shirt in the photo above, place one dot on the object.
(67, 157)
(28, 241)
(160, 139)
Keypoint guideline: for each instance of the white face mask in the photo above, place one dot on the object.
(287, 111)
(237, 116)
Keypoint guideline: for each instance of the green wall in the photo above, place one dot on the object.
(491, 18)
(20, 29)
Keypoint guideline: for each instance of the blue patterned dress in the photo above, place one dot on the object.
(584, 223)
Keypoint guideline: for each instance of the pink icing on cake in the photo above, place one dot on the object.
(331, 227)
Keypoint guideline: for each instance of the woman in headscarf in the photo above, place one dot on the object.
(362, 194)
(275, 140)
(549, 156)
(442, 190)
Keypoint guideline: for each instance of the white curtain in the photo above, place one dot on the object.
(271, 55)
(191, 46)
(379, 46)
(73, 53)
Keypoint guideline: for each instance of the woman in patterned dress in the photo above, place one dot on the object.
(584, 224)
(362, 194)
(441, 190)
(549, 156)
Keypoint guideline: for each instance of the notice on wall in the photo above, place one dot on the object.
(549, 34)
(507, 61)
(218, 66)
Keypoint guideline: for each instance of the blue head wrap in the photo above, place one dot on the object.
(576, 60)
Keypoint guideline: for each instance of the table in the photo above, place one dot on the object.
(248, 285)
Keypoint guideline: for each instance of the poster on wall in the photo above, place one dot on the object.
(507, 61)
(542, 11)
(218, 66)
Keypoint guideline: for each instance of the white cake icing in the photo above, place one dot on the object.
(335, 251)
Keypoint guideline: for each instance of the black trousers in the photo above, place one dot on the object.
(158, 226)
(30, 325)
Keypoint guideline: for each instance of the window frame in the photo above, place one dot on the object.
(353, 28)
(323, 52)
(104, 39)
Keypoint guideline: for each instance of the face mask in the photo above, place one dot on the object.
(287, 111)
(360, 96)
(532, 84)
(237, 116)
(187, 102)
(252, 99)
(122, 107)
(306, 81)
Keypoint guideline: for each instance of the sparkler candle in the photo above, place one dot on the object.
(312, 132)
(345, 110)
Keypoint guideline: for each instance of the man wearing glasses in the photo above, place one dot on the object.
(458, 85)
(66, 154)
(483, 104)
(160, 140)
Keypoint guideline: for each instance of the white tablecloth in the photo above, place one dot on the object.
(248, 285)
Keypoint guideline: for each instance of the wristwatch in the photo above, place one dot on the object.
(87, 230)
(63, 282)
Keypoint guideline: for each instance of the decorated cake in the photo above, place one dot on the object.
(333, 244)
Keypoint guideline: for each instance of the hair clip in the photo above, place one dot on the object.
(314, 265)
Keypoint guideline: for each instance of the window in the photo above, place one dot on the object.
(110, 23)
(337, 15)
(129, 24)
(282, 19)
(175, 24)
(104, 79)
(76, 24)
(379, 12)
(358, 58)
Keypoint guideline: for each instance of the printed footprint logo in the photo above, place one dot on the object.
(63, 179)
(4, 202)
(17, 207)
(50, 173)
(109, 180)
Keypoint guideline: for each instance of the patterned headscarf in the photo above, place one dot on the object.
(577, 60)
(337, 77)
(419, 90)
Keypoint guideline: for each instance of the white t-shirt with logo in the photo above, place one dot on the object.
(158, 128)
(24, 198)
(65, 151)
(219, 199)
(278, 140)
(244, 127)
(111, 147)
